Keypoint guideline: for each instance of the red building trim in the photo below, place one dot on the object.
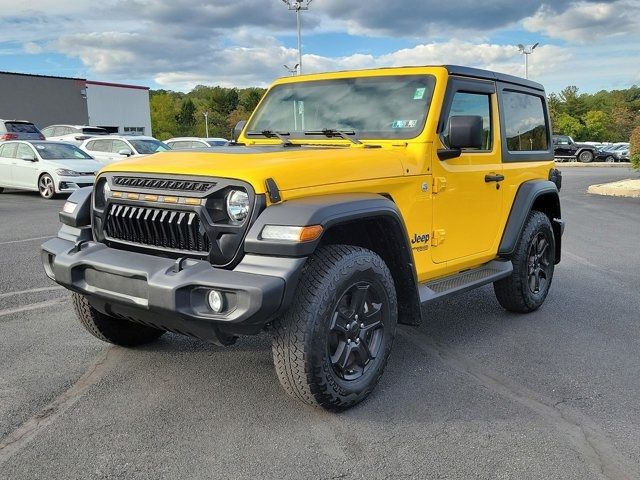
(119, 85)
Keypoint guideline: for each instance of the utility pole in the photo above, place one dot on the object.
(298, 6)
(526, 51)
(206, 123)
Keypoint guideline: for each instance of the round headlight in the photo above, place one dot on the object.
(237, 205)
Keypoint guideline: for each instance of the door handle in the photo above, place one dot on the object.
(494, 177)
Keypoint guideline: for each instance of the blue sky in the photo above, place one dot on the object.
(177, 44)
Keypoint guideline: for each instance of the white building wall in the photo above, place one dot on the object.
(121, 106)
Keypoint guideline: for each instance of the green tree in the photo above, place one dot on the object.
(186, 118)
(163, 115)
(597, 126)
(567, 125)
(634, 149)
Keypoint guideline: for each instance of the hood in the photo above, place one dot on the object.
(290, 167)
(80, 166)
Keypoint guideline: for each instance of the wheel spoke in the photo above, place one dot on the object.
(342, 355)
(359, 299)
(537, 281)
(542, 246)
(339, 323)
(362, 352)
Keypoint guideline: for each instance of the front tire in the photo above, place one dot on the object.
(46, 186)
(586, 156)
(111, 329)
(331, 346)
(526, 289)
(610, 159)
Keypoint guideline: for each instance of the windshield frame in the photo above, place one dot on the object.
(417, 131)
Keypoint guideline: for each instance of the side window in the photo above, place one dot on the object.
(69, 131)
(525, 122)
(99, 146)
(119, 145)
(478, 104)
(58, 131)
(9, 150)
(24, 150)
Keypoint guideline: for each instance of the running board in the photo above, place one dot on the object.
(463, 281)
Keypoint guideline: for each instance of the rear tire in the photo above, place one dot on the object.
(586, 156)
(526, 289)
(331, 346)
(110, 329)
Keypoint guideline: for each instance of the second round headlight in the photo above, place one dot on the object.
(237, 205)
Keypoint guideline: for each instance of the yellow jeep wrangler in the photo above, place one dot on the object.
(346, 202)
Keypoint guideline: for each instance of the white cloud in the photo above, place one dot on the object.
(587, 22)
(32, 48)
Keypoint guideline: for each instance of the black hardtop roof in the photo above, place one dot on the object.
(489, 75)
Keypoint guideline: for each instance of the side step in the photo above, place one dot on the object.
(463, 281)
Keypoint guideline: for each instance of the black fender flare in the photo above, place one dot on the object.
(339, 209)
(530, 194)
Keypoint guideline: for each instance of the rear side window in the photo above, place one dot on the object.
(525, 122)
(20, 127)
(8, 150)
(99, 146)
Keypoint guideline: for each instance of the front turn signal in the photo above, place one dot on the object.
(291, 233)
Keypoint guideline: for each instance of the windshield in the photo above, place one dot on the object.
(372, 107)
(149, 146)
(60, 151)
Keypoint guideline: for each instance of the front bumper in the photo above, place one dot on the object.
(171, 294)
(71, 184)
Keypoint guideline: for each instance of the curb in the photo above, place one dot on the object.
(623, 188)
(594, 165)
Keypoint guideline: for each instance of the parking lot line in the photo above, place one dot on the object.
(32, 306)
(31, 290)
(20, 437)
(32, 239)
(584, 434)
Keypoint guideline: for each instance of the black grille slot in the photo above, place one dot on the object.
(195, 186)
(174, 229)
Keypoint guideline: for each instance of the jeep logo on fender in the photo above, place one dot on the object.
(420, 238)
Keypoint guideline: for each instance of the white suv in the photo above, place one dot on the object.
(187, 143)
(75, 134)
(112, 148)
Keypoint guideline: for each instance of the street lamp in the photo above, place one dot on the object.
(292, 70)
(526, 51)
(297, 6)
(206, 123)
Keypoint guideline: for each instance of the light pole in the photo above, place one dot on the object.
(206, 123)
(297, 6)
(526, 51)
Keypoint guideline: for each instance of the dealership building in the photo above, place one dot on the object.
(46, 100)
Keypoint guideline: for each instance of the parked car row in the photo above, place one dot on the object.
(62, 158)
(565, 148)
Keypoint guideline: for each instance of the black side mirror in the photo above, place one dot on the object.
(465, 131)
(237, 130)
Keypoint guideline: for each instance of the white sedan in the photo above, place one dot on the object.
(45, 167)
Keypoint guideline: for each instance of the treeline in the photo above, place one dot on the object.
(605, 116)
(176, 114)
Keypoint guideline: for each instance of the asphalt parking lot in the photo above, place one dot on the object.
(476, 392)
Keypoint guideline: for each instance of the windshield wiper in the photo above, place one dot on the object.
(333, 133)
(282, 136)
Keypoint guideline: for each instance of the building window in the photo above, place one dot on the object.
(134, 130)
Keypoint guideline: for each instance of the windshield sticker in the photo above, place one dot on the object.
(40, 147)
(419, 95)
(404, 124)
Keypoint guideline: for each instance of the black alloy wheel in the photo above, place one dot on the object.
(356, 332)
(539, 262)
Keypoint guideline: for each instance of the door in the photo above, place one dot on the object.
(467, 189)
(7, 151)
(563, 146)
(25, 172)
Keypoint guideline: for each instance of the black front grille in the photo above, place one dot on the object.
(174, 229)
(163, 184)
